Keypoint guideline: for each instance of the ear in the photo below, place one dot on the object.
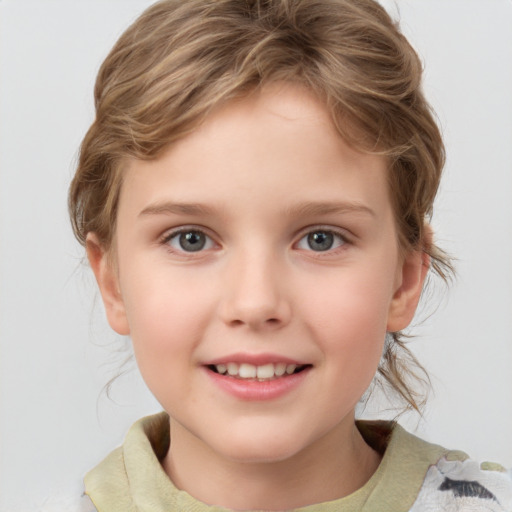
(409, 285)
(108, 283)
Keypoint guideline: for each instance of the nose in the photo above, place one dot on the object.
(254, 293)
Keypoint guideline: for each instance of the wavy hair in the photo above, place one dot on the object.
(180, 59)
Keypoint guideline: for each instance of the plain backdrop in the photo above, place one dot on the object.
(57, 353)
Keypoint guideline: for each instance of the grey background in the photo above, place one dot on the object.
(56, 351)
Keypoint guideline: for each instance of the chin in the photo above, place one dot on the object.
(258, 448)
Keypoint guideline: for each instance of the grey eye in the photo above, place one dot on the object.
(320, 240)
(190, 241)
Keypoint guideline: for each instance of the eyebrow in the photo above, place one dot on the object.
(306, 209)
(324, 208)
(168, 208)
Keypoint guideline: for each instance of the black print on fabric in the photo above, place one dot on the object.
(467, 489)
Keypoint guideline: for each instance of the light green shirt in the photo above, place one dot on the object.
(131, 478)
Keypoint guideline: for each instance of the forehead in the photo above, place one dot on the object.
(277, 146)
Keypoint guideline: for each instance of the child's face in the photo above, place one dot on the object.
(259, 242)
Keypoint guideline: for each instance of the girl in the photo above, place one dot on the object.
(254, 197)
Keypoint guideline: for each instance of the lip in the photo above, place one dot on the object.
(254, 359)
(255, 390)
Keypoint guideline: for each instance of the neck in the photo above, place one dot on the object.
(333, 467)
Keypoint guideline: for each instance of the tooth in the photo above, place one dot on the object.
(290, 368)
(265, 372)
(280, 369)
(221, 368)
(232, 368)
(247, 371)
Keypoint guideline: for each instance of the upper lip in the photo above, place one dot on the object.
(254, 359)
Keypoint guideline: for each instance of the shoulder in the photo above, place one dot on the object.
(418, 476)
(86, 505)
(454, 482)
(465, 485)
(132, 472)
(64, 500)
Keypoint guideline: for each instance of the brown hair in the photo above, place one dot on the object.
(181, 59)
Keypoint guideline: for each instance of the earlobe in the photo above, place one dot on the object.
(411, 277)
(108, 283)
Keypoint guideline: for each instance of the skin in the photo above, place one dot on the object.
(261, 173)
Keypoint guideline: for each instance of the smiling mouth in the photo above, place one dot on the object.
(246, 371)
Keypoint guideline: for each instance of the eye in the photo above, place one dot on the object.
(189, 240)
(321, 240)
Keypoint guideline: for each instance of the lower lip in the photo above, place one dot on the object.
(255, 390)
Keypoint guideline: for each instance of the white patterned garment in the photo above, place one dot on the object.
(465, 486)
(414, 476)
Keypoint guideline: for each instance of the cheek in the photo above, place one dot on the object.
(349, 301)
(167, 325)
(348, 316)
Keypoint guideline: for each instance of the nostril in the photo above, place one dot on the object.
(254, 313)
(268, 322)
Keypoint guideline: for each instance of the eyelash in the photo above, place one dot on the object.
(168, 237)
(339, 239)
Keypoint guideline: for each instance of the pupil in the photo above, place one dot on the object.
(320, 240)
(192, 241)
